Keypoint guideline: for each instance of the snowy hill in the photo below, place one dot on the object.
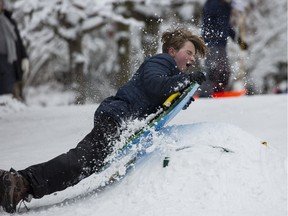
(218, 164)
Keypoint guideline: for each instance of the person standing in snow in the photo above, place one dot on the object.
(156, 79)
(216, 30)
(13, 56)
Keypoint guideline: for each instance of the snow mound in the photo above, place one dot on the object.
(49, 95)
(217, 168)
(214, 169)
(8, 105)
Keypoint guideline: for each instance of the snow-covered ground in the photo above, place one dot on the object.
(202, 179)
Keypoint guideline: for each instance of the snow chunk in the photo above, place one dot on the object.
(8, 105)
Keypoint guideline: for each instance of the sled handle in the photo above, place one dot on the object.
(167, 103)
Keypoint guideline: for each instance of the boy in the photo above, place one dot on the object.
(157, 78)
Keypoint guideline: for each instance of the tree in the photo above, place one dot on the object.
(93, 46)
(61, 22)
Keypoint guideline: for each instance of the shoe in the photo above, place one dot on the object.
(13, 188)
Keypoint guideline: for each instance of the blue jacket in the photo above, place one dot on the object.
(216, 23)
(155, 80)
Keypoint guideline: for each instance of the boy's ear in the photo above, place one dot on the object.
(171, 51)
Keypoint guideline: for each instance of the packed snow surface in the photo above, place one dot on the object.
(226, 157)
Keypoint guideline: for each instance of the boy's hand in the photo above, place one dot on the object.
(198, 77)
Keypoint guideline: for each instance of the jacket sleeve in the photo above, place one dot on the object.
(161, 78)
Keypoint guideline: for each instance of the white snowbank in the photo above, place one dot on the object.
(214, 169)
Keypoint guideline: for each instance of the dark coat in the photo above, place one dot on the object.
(20, 49)
(155, 80)
(216, 23)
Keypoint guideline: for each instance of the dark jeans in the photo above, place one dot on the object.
(7, 76)
(218, 71)
(78, 163)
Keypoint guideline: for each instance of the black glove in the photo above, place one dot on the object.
(188, 103)
(243, 45)
(198, 77)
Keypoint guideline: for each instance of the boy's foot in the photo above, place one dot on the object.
(13, 188)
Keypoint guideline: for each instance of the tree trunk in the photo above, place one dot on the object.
(123, 74)
(150, 35)
(77, 68)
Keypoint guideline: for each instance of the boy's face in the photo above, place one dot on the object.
(184, 57)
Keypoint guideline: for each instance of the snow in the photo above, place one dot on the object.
(219, 164)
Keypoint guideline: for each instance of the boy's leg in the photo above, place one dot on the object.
(70, 168)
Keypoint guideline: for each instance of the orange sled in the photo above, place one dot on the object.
(229, 94)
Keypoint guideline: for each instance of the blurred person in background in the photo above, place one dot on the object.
(216, 30)
(14, 61)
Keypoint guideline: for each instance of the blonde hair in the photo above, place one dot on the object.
(177, 38)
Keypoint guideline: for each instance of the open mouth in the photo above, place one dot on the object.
(188, 64)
